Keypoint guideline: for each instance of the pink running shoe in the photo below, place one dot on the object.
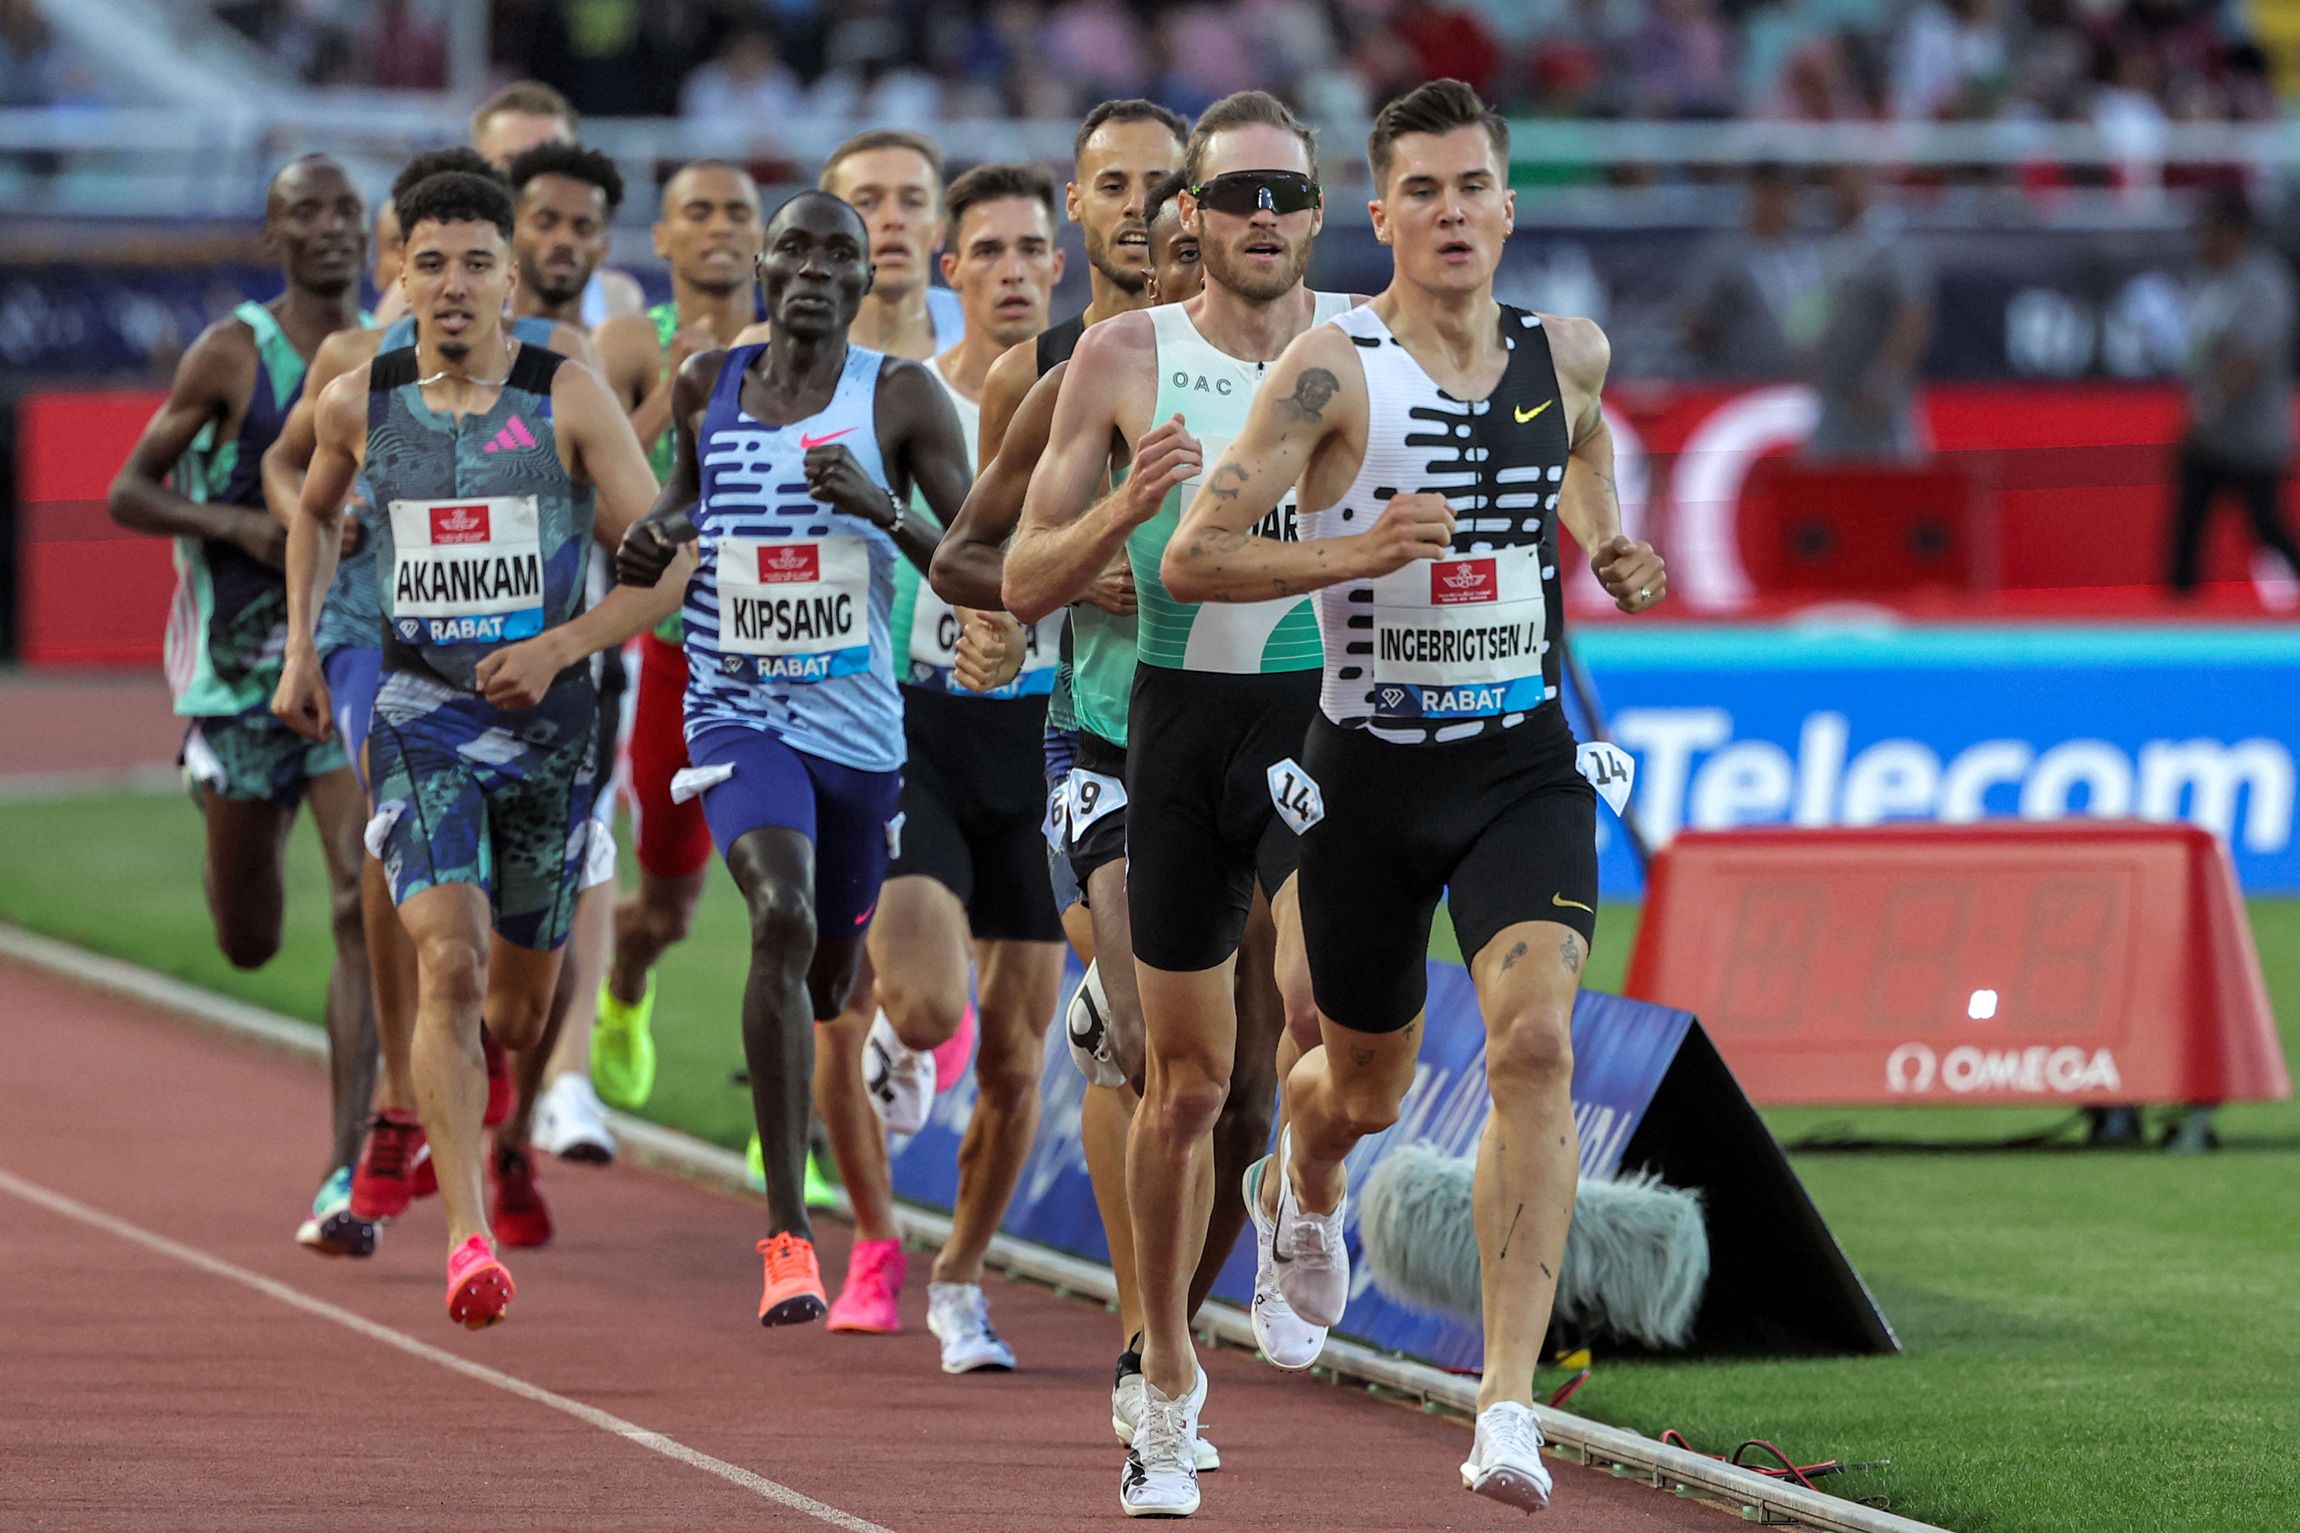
(479, 1287)
(955, 1053)
(869, 1302)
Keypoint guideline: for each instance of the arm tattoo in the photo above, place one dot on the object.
(1313, 391)
(1227, 470)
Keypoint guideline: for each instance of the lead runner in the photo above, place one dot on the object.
(1431, 414)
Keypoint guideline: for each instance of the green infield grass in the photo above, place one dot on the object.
(2095, 1340)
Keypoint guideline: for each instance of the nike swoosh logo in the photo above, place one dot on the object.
(1525, 415)
(809, 443)
(1562, 902)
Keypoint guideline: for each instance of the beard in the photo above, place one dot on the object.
(1231, 269)
(1127, 279)
(556, 291)
(455, 350)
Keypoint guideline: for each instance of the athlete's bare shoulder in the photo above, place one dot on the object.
(220, 357)
(1008, 382)
(574, 343)
(343, 404)
(1579, 349)
(1128, 340)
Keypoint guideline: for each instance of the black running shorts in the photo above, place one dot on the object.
(1503, 827)
(1094, 816)
(1204, 822)
(973, 808)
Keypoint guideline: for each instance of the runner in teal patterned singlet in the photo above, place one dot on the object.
(227, 634)
(482, 747)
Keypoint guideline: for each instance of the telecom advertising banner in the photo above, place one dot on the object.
(1785, 725)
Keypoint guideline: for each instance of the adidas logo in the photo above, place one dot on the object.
(513, 437)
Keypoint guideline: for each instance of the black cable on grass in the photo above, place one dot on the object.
(1834, 1139)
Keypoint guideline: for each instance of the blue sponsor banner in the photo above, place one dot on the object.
(1622, 1049)
(1800, 725)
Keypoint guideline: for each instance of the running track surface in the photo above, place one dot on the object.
(151, 1385)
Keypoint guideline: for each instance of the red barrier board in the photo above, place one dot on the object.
(2103, 962)
(93, 593)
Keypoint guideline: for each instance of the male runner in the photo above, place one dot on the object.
(248, 772)
(893, 178)
(967, 887)
(1438, 437)
(390, 1169)
(708, 235)
(1220, 700)
(487, 456)
(1105, 1032)
(517, 118)
(797, 457)
(565, 199)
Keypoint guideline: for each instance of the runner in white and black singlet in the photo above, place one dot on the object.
(1437, 438)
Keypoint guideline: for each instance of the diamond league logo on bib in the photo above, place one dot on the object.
(1394, 699)
(458, 524)
(787, 563)
(1464, 580)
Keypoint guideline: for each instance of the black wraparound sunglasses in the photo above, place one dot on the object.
(1247, 192)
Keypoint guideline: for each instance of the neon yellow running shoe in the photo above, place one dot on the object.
(623, 1049)
(822, 1192)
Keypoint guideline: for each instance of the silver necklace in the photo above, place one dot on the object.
(444, 376)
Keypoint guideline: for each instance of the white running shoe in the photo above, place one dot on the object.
(1506, 1462)
(1286, 1339)
(1086, 1023)
(1126, 1409)
(1313, 1260)
(571, 1121)
(959, 1317)
(1161, 1474)
(898, 1078)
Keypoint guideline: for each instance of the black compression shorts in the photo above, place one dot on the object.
(973, 807)
(1094, 810)
(1204, 823)
(1503, 827)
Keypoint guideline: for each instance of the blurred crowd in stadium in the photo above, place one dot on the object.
(2129, 67)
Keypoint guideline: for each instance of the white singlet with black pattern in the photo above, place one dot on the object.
(1449, 649)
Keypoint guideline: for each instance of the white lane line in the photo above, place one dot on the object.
(615, 1426)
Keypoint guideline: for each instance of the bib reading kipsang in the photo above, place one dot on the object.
(794, 611)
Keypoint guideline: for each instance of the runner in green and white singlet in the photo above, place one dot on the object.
(1221, 703)
(195, 475)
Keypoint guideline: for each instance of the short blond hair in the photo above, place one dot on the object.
(526, 98)
(884, 138)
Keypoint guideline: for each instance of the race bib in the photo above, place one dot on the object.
(1090, 796)
(934, 632)
(1460, 638)
(1296, 794)
(1056, 828)
(794, 610)
(1610, 771)
(467, 571)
